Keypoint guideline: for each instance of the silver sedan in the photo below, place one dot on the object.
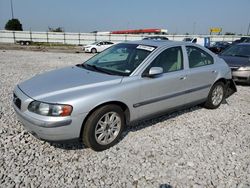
(94, 101)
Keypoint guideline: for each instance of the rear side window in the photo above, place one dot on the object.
(198, 57)
(170, 60)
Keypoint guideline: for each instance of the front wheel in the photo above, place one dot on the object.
(216, 96)
(103, 128)
(93, 50)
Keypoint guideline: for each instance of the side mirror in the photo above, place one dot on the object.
(154, 72)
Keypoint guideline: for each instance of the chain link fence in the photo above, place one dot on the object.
(87, 38)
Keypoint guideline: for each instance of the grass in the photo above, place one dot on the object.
(45, 44)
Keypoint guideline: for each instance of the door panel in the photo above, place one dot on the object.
(202, 72)
(167, 90)
(161, 93)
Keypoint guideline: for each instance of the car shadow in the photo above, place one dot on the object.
(68, 145)
(242, 84)
(136, 126)
(165, 186)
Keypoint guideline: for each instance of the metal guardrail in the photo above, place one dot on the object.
(87, 38)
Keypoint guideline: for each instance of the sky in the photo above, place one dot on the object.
(177, 16)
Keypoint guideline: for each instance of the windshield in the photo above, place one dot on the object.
(94, 43)
(237, 50)
(121, 59)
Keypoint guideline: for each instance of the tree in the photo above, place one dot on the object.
(229, 33)
(14, 25)
(58, 29)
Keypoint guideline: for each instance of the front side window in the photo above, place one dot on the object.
(197, 57)
(109, 43)
(121, 59)
(169, 60)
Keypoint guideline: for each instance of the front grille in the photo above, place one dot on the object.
(241, 78)
(17, 101)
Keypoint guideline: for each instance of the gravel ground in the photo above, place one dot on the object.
(191, 148)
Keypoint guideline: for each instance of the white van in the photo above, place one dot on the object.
(203, 41)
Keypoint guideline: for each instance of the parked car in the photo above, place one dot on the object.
(155, 38)
(98, 46)
(203, 41)
(94, 101)
(219, 46)
(242, 40)
(238, 59)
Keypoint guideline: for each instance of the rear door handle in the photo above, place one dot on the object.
(214, 71)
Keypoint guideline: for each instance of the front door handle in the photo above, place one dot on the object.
(183, 78)
(214, 71)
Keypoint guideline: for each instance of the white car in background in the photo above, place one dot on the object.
(98, 46)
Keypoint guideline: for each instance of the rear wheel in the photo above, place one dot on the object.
(93, 50)
(216, 96)
(103, 128)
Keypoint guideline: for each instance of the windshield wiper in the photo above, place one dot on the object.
(81, 65)
(98, 69)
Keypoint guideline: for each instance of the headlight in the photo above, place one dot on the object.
(47, 109)
(244, 69)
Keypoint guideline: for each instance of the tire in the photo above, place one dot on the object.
(98, 134)
(22, 43)
(93, 50)
(216, 96)
(27, 43)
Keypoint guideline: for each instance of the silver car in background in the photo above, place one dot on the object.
(238, 59)
(94, 101)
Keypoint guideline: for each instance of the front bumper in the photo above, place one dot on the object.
(241, 76)
(87, 49)
(47, 128)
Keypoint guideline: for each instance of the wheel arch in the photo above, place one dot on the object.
(123, 106)
(223, 80)
(230, 87)
(94, 48)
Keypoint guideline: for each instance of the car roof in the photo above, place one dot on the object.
(158, 43)
(243, 44)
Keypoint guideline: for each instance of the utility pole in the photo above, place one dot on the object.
(194, 25)
(248, 29)
(12, 9)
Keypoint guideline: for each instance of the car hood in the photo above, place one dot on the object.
(65, 80)
(234, 61)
